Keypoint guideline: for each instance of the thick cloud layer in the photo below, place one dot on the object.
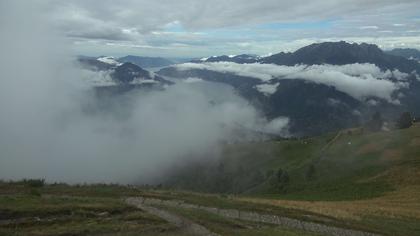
(144, 16)
(358, 80)
(201, 28)
(53, 127)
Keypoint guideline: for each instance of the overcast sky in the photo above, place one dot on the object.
(194, 28)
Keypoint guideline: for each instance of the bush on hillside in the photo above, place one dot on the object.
(34, 183)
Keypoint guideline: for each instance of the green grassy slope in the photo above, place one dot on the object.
(370, 181)
(349, 165)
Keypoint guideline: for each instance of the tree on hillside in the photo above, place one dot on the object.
(405, 120)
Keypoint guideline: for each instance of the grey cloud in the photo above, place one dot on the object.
(114, 35)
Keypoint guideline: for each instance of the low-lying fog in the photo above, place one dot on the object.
(51, 124)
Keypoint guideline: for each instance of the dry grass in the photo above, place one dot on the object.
(403, 202)
(368, 148)
(415, 142)
(392, 155)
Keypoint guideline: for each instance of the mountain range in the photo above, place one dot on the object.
(122, 75)
(341, 53)
(321, 87)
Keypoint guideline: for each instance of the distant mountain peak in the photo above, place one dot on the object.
(340, 47)
(146, 62)
(241, 59)
(342, 53)
(126, 73)
(130, 73)
(409, 53)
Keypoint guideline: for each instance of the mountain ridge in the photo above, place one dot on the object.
(408, 53)
(341, 53)
(146, 62)
(316, 108)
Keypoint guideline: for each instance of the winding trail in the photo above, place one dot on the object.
(187, 226)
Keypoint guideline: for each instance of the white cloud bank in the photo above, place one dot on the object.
(267, 89)
(109, 60)
(357, 80)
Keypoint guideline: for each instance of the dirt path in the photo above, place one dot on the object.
(145, 204)
(321, 154)
(331, 142)
(187, 226)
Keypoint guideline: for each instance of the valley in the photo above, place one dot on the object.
(210, 118)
